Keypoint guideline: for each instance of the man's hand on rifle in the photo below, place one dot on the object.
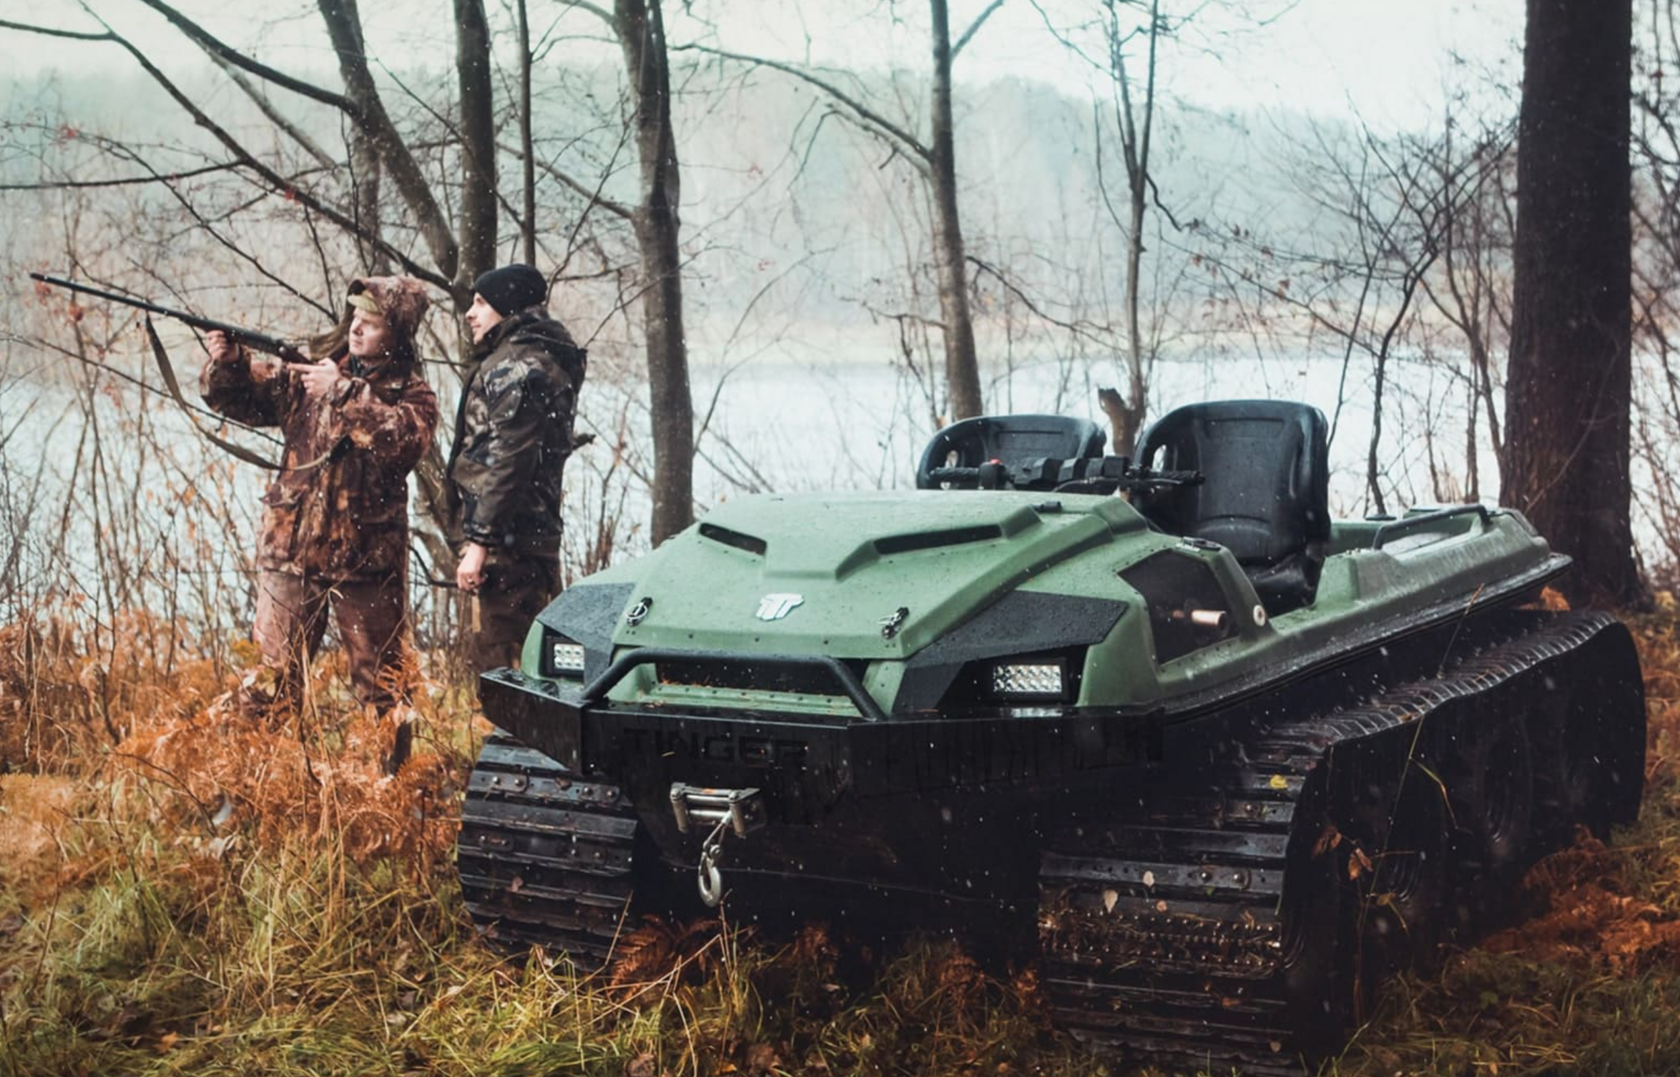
(318, 378)
(222, 350)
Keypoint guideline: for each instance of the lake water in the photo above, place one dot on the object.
(177, 515)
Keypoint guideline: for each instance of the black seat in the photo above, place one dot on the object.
(1266, 491)
(1013, 440)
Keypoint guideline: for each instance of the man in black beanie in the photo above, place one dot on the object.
(513, 434)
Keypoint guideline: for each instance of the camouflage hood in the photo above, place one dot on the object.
(402, 300)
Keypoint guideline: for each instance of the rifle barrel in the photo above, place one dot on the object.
(260, 341)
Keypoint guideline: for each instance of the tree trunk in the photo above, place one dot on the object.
(528, 178)
(641, 33)
(477, 227)
(365, 171)
(1127, 418)
(962, 369)
(344, 26)
(1569, 389)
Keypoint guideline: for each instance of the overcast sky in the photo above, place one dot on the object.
(1390, 62)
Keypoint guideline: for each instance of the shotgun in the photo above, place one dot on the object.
(257, 341)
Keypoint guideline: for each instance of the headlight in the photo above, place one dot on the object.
(1030, 680)
(562, 657)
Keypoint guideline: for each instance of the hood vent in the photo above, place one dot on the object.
(736, 539)
(930, 540)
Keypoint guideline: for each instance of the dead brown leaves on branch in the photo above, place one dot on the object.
(68, 693)
(1591, 916)
(275, 785)
(141, 706)
(660, 950)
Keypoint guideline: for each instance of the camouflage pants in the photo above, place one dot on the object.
(292, 613)
(514, 591)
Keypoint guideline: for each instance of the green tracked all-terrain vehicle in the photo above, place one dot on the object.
(1216, 762)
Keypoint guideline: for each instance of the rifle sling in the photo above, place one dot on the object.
(174, 386)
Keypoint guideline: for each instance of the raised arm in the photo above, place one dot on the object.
(234, 385)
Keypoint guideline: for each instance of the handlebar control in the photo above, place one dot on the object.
(1089, 475)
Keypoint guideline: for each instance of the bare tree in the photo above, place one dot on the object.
(1471, 285)
(1136, 122)
(1656, 286)
(1408, 262)
(639, 26)
(934, 159)
(1133, 112)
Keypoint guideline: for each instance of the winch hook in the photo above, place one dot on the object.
(709, 875)
(738, 810)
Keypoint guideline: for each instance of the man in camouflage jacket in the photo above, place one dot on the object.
(335, 519)
(512, 437)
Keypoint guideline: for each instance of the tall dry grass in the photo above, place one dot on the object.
(202, 895)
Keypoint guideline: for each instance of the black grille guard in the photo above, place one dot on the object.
(844, 676)
(549, 715)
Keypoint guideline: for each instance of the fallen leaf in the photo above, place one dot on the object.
(761, 1059)
(1358, 863)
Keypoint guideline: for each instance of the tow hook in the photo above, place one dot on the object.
(727, 810)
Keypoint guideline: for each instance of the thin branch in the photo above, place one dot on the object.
(593, 194)
(277, 182)
(974, 28)
(864, 113)
(223, 53)
(599, 12)
(51, 31)
(1071, 327)
(155, 177)
(274, 115)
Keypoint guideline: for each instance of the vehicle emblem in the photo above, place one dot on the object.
(775, 607)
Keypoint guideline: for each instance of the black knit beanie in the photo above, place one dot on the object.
(512, 288)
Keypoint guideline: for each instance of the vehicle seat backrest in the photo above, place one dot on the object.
(1010, 439)
(1265, 494)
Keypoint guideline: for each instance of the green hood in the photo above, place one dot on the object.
(848, 562)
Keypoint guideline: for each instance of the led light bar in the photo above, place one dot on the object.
(1029, 680)
(565, 657)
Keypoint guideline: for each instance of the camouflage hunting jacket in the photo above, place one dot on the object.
(338, 508)
(513, 434)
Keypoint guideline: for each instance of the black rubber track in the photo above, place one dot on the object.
(545, 859)
(1239, 917)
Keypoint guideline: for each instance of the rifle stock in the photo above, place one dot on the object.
(238, 334)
